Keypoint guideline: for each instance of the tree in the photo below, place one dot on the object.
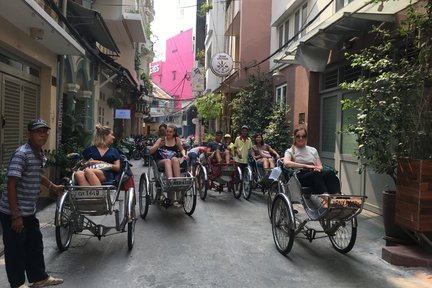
(252, 105)
(209, 106)
(394, 99)
(278, 132)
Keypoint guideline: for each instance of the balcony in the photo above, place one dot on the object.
(34, 20)
(125, 24)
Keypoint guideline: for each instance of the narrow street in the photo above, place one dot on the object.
(226, 243)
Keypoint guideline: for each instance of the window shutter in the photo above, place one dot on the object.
(328, 137)
(11, 139)
(30, 106)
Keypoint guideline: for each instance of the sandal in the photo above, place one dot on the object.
(50, 281)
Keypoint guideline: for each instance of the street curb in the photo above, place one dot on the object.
(407, 255)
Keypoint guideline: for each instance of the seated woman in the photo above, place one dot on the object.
(263, 153)
(167, 149)
(306, 159)
(99, 153)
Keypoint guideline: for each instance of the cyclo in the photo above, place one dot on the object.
(79, 203)
(254, 176)
(210, 174)
(335, 213)
(156, 189)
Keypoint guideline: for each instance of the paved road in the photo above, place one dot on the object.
(226, 243)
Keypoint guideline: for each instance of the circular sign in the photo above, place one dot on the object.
(221, 64)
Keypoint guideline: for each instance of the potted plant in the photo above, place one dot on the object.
(393, 125)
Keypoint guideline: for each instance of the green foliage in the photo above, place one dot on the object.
(278, 132)
(204, 9)
(209, 106)
(394, 102)
(252, 105)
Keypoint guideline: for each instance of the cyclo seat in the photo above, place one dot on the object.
(122, 175)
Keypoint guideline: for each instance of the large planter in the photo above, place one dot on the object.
(414, 195)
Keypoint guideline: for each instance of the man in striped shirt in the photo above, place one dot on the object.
(22, 237)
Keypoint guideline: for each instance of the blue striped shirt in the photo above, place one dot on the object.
(26, 164)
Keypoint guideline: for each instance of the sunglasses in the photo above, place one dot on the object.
(300, 136)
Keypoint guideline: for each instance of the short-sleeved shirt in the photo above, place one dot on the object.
(216, 146)
(243, 146)
(26, 164)
(304, 155)
(110, 156)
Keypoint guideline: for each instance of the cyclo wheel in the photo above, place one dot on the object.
(202, 182)
(63, 224)
(190, 199)
(130, 211)
(247, 183)
(144, 195)
(272, 192)
(283, 224)
(344, 238)
(236, 183)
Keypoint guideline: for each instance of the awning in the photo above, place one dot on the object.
(27, 14)
(313, 53)
(91, 26)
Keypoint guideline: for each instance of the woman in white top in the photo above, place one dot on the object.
(306, 159)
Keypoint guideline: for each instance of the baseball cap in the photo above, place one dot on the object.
(227, 136)
(244, 127)
(36, 124)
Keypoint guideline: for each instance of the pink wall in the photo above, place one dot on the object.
(174, 75)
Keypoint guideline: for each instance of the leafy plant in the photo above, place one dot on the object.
(209, 106)
(278, 132)
(204, 9)
(394, 99)
(252, 105)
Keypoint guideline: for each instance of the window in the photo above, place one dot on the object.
(303, 18)
(281, 93)
(328, 123)
(349, 143)
(297, 24)
(283, 33)
(342, 3)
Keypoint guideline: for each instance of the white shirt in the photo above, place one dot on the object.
(304, 155)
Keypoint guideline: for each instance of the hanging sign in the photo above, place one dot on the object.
(221, 64)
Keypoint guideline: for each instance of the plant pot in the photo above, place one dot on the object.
(392, 230)
(414, 195)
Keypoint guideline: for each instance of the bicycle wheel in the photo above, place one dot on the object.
(344, 237)
(272, 192)
(202, 182)
(132, 220)
(144, 195)
(190, 199)
(282, 225)
(247, 183)
(63, 226)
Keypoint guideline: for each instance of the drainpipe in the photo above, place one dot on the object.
(60, 76)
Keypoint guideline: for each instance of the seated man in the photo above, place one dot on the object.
(233, 151)
(216, 149)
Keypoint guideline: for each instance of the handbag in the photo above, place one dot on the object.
(265, 154)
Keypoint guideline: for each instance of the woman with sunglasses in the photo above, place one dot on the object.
(306, 159)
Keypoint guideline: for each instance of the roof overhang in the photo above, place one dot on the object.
(314, 49)
(26, 14)
(90, 24)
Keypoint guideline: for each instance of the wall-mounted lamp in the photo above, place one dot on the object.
(36, 33)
